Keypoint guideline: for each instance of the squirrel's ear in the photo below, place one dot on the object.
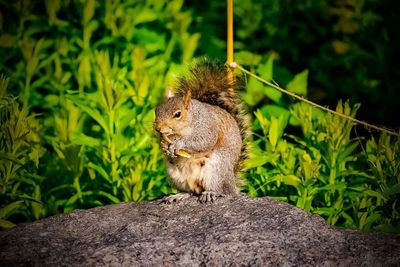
(187, 99)
(168, 92)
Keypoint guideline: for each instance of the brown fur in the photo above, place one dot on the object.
(209, 82)
(206, 119)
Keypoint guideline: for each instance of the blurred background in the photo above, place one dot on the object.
(80, 81)
(348, 46)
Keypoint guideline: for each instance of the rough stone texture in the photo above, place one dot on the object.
(232, 232)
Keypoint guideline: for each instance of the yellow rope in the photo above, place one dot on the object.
(391, 132)
(229, 38)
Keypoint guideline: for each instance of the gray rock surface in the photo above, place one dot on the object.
(232, 232)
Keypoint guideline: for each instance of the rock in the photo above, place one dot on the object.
(231, 232)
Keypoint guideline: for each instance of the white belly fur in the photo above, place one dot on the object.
(193, 175)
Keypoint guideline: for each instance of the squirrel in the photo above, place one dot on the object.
(203, 131)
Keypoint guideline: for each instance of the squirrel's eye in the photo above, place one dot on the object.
(177, 114)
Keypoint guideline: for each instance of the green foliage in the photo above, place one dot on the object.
(20, 152)
(383, 157)
(330, 38)
(94, 71)
(323, 169)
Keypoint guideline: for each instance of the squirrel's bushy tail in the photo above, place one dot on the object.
(209, 82)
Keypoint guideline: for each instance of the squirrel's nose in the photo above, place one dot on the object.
(157, 128)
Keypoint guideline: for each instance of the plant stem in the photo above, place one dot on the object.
(114, 163)
(27, 90)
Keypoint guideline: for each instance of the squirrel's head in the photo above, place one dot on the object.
(173, 115)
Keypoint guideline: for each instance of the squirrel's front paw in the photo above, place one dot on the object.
(208, 196)
(167, 148)
(164, 145)
(173, 149)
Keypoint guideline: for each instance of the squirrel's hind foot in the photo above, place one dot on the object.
(208, 196)
(175, 198)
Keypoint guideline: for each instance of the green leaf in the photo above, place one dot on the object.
(51, 100)
(142, 90)
(339, 186)
(10, 157)
(145, 15)
(73, 199)
(343, 157)
(114, 199)
(264, 122)
(273, 94)
(393, 190)
(52, 7)
(58, 150)
(372, 193)
(60, 187)
(28, 198)
(84, 69)
(79, 138)
(299, 83)
(100, 170)
(289, 180)
(370, 220)
(93, 113)
(325, 211)
(274, 131)
(280, 198)
(348, 220)
(275, 111)
(247, 58)
(258, 161)
(37, 206)
(88, 10)
(266, 70)
(190, 47)
(388, 228)
(6, 224)
(141, 143)
(254, 92)
(7, 40)
(10, 208)
(356, 173)
(151, 40)
(257, 90)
